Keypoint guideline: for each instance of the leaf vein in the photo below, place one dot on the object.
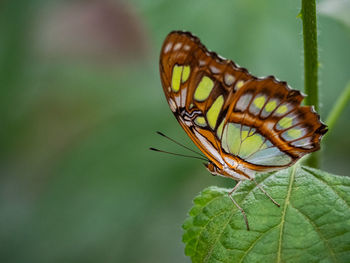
(318, 231)
(210, 220)
(255, 241)
(219, 236)
(326, 183)
(284, 213)
(228, 221)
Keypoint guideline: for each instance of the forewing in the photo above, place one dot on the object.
(196, 82)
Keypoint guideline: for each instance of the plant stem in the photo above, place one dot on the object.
(338, 107)
(308, 15)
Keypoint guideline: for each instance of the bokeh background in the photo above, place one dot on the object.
(81, 101)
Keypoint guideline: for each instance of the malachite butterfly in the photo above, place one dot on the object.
(243, 124)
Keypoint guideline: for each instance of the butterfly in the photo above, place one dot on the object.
(241, 123)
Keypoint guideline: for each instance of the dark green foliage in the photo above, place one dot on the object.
(312, 224)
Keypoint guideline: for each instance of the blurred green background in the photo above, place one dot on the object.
(81, 100)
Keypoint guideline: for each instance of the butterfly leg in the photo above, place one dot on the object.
(262, 190)
(237, 205)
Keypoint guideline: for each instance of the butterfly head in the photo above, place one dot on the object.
(212, 168)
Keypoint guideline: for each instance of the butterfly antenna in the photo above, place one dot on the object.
(162, 134)
(178, 154)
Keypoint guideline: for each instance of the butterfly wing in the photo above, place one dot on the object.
(235, 119)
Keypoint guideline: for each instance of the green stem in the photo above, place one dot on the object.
(308, 15)
(338, 108)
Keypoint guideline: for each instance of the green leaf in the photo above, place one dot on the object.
(312, 224)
